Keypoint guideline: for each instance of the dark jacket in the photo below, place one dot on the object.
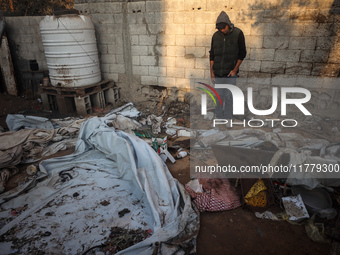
(226, 49)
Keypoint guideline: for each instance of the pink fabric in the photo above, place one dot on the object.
(218, 195)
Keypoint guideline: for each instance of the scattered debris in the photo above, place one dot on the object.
(105, 203)
(266, 215)
(295, 208)
(5, 174)
(31, 169)
(218, 195)
(123, 212)
(121, 239)
(181, 154)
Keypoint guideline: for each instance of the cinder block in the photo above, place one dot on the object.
(147, 39)
(320, 56)
(325, 43)
(250, 66)
(213, 5)
(210, 29)
(275, 42)
(197, 52)
(114, 49)
(155, 71)
(148, 60)
(175, 51)
(185, 40)
(182, 83)
(132, 18)
(146, 17)
(108, 59)
(164, 17)
(174, 29)
(185, 62)
(120, 59)
(166, 39)
(167, 61)
(175, 72)
(302, 43)
(184, 18)
(298, 68)
(203, 40)
(140, 70)
(284, 80)
(149, 80)
(191, 5)
(167, 81)
(117, 68)
(134, 7)
(287, 55)
(139, 50)
(155, 29)
(265, 29)
(154, 6)
(297, 29)
(105, 68)
(102, 48)
(135, 60)
(245, 27)
(137, 29)
(254, 41)
(207, 17)
(194, 73)
(158, 50)
(173, 5)
(202, 63)
(83, 105)
(262, 54)
(106, 38)
(272, 67)
(194, 29)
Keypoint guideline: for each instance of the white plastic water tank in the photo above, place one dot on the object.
(71, 50)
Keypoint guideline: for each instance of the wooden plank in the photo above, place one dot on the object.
(7, 69)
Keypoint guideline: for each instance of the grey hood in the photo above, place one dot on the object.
(224, 18)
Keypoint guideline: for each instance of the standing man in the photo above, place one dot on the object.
(228, 49)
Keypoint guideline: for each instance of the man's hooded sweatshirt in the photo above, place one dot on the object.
(226, 49)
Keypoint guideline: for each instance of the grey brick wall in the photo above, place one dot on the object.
(25, 41)
(167, 42)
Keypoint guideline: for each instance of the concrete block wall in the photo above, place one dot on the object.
(148, 47)
(25, 41)
(166, 43)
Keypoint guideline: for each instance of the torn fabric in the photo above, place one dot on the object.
(107, 165)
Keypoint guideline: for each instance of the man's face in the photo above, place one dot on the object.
(225, 30)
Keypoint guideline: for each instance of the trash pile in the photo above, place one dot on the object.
(115, 194)
(114, 184)
(120, 239)
(306, 194)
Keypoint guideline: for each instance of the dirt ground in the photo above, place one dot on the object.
(230, 232)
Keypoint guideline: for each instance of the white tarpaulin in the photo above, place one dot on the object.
(18, 121)
(77, 205)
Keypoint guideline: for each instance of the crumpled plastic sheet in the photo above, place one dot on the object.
(107, 165)
(299, 149)
(127, 110)
(19, 121)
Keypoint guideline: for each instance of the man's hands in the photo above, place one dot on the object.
(212, 76)
(232, 73)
